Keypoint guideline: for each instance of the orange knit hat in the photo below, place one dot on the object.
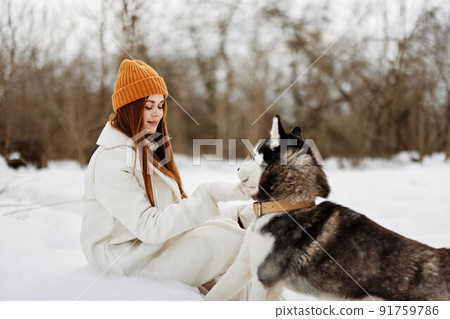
(135, 81)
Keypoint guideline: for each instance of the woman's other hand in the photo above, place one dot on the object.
(224, 191)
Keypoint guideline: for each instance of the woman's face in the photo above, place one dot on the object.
(153, 111)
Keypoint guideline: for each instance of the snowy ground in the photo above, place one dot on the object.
(40, 218)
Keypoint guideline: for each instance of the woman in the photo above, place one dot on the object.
(138, 220)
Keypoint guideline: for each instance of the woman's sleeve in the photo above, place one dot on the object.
(117, 189)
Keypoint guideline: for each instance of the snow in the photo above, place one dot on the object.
(40, 218)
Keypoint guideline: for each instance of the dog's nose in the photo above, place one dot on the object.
(238, 169)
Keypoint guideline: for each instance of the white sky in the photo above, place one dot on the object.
(167, 19)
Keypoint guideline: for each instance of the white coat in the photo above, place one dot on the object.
(181, 239)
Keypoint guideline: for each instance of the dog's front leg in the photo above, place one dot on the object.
(258, 291)
(236, 277)
(261, 292)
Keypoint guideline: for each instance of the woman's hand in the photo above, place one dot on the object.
(224, 191)
(247, 216)
(244, 213)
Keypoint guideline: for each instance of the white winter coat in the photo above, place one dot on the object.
(181, 239)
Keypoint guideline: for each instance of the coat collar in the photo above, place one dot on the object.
(111, 137)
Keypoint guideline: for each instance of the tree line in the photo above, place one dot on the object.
(371, 94)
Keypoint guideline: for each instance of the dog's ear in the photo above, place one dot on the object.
(276, 133)
(297, 132)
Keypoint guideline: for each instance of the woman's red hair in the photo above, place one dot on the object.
(129, 120)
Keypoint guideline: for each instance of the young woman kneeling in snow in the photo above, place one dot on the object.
(137, 219)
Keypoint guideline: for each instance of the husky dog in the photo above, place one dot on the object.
(325, 250)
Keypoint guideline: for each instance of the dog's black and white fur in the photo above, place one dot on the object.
(328, 250)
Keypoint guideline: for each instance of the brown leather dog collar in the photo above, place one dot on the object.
(278, 206)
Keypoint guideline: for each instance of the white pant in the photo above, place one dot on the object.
(214, 246)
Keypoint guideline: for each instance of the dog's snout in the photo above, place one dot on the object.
(238, 169)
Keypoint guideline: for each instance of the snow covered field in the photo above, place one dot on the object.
(40, 218)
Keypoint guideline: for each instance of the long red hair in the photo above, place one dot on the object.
(129, 120)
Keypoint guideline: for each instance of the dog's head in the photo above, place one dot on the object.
(284, 168)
